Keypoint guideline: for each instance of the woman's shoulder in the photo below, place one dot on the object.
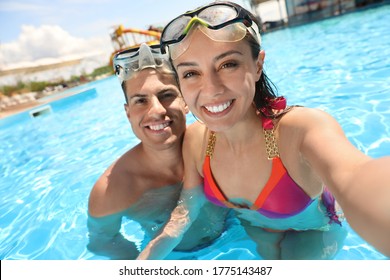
(195, 140)
(304, 117)
(195, 132)
(304, 112)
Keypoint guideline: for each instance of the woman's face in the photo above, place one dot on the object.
(217, 79)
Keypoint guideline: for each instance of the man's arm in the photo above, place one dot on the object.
(106, 240)
(105, 220)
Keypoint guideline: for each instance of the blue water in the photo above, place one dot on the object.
(49, 164)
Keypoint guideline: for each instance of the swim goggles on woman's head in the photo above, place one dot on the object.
(220, 21)
(128, 62)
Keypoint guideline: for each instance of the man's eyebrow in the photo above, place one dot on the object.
(137, 95)
(170, 89)
(167, 89)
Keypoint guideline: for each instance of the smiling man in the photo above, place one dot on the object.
(144, 184)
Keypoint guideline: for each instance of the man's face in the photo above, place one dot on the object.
(155, 109)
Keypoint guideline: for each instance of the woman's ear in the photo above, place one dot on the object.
(187, 110)
(259, 63)
(185, 106)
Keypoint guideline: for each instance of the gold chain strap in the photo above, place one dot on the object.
(270, 143)
(211, 144)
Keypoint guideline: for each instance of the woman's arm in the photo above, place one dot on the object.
(360, 184)
(182, 217)
(190, 202)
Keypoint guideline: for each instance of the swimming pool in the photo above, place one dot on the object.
(48, 164)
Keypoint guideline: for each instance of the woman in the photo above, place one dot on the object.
(273, 164)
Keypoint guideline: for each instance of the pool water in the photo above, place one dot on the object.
(49, 164)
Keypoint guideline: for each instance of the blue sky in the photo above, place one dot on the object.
(34, 29)
(83, 18)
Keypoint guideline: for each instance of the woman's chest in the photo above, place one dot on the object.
(242, 176)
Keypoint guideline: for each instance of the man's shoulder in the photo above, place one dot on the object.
(112, 192)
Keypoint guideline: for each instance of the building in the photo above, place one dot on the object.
(279, 13)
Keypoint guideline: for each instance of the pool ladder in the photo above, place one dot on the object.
(40, 111)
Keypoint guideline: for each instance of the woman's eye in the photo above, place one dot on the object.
(229, 65)
(187, 75)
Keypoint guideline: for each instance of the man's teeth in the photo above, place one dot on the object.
(158, 126)
(219, 108)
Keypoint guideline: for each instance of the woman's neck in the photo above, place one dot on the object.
(246, 131)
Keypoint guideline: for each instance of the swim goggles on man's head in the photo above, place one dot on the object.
(220, 21)
(128, 62)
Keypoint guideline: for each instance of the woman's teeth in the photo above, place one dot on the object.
(219, 108)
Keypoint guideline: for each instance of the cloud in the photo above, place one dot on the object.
(21, 7)
(49, 42)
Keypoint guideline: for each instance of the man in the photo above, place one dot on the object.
(144, 184)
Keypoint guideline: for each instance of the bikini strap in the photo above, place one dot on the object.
(268, 116)
(211, 144)
(267, 119)
(270, 143)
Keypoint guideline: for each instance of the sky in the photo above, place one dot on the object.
(42, 32)
(32, 31)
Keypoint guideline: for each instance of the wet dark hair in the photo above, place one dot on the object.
(265, 89)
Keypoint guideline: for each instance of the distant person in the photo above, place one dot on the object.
(144, 184)
(279, 167)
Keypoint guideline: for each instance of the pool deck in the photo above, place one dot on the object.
(19, 108)
(50, 97)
